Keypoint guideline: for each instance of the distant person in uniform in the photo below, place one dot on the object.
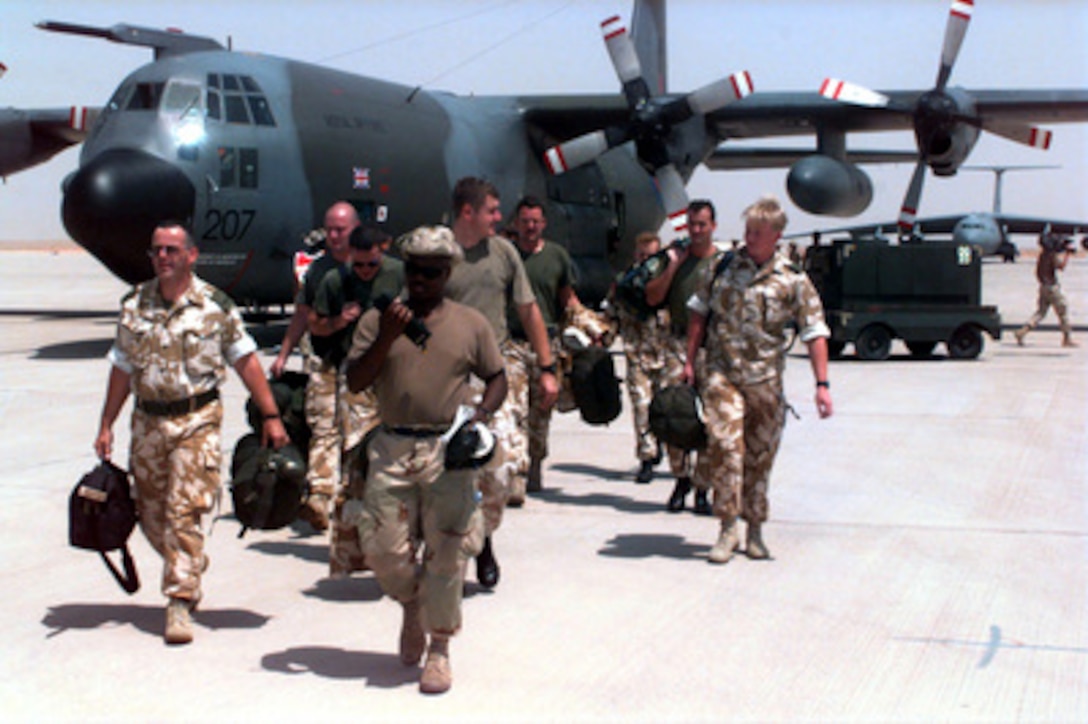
(674, 287)
(323, 466)
(1054, 254)
(744, 315)
(342, 296)
(418, 513)
(643, 348)
(175, 338)
(490, 279)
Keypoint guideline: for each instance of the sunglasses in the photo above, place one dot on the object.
(366, 264)
(170, 251)
(427, 272)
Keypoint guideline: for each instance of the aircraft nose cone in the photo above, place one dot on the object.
(112, 204)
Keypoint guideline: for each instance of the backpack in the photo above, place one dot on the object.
(676, 417)
(595, 386)
(267, 486)
(101, 516)
(289, 392)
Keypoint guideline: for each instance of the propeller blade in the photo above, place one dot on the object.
(1025, 134)
(958, 18)
(720, 93)
(575, 152)
(621, 49)
(908, 214)
(674, 196)
(847, 92)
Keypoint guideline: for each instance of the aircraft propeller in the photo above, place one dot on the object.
(650, 122)
(940, 115)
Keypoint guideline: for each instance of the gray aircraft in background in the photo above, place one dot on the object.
(251, 149)
(987, 231)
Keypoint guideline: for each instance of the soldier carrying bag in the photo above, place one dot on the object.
(101, 516)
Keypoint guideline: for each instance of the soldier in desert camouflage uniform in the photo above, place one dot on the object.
(491, 278)
(419, 511)
(175, 337)
(643, 344)
(744, 314)
(342, 296)
(322, 406)
(551, 274)
(672, 288)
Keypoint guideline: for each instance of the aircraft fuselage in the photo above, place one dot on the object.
(251, 150)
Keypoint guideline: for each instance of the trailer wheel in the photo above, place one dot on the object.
(835, 348)
(965, 342)
(873, 343)
(921, 349)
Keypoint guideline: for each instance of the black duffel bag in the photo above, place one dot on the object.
(101, 516)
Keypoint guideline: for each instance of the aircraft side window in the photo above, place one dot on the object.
(230, 82)
(249, 85)
(236, 109)
(262, 114)
(214, 110)
(228, 167)
(247, 168)
(213, 80)
(120, 98)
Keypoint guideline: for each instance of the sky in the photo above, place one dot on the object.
(495, 47)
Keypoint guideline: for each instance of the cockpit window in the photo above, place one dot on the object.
(238, 99)
(181, 98)
(146, 97)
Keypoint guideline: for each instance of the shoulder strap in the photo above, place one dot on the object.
(130, 581)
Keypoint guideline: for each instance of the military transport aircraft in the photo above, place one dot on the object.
(252, 148)
(987, 231)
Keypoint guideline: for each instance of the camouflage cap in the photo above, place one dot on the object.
(431, 241)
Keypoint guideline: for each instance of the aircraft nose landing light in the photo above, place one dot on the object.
(112, 204)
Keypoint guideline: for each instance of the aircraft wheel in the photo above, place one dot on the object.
(921, 349)
(873, 343)
(835, 348)
(965, 342)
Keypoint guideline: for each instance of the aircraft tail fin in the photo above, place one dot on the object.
(999, 173)
(649, 37)
(165, 43)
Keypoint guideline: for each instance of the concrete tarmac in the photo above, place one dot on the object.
(929, 541)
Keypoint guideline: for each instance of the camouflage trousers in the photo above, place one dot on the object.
(504, 475)
(744, 427)
(684, 463)
(359, 413)
(323, 418)
(538, 419)
(1050, 295)
(417, 516)
(643, 382)
(175, 464)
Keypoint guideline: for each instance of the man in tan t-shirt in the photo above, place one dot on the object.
(418, 513)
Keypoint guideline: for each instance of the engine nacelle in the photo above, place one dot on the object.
(823, 185)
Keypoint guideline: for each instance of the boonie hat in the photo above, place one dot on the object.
(431, 241)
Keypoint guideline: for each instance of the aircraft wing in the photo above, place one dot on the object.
(32, 136)
(763, 115)
(1037, 224)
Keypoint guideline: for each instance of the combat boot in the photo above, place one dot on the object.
(315, 511)
(412, 639)
(754, 548)
(702, 503)
(179, 622)
(645, 472)
(534, 482)
(727, 543)
(679, 493)
(437, 677)
(1020, 334)
(487, 568)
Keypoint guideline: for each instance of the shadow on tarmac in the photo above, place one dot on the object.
(148, 619)
(384, 671)
(79, 350)
(346, 590)
(645, 545)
